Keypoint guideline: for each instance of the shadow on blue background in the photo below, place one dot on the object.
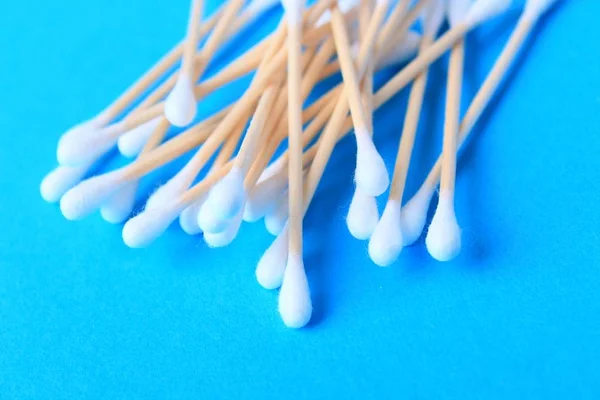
(514, 316)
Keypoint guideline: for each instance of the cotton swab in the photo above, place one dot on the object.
(260, 200)
(147, 226)
(119, 206)
(276, 219)
(226, 198)
(180, 105)
(371, 174)
(188, 217)
(295, 306)
(60, 180)
(363, 213)
(370, 167)
(443, 239)
(120, 104)
(386, 242)
(254, 9)
(414, 213)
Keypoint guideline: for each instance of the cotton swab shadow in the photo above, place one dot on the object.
(319, 278)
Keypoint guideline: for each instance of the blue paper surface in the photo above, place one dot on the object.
(516, 315)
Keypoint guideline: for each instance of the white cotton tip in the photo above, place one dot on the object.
(226, 236)
(88, 146)
(414, 215)
(90, 194)
(188, 219)
(225, 200)
(120, 205)
(344, 5)
(457, 11)
(276, 219)
(443, 237)
(172, 189)
(148, 225)
(433, 17)
(401, 53)
(535, 8)
(85, 128)
(228, 196)
(371, 174)
(263, 198)
(258, 7)
(60, 180)
(362, 216)
(386, 242)
(180, 105)
(483, 10)
(131, 143)
(295, 306)
(270, 268)
(293, 10)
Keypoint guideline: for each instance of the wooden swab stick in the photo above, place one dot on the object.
(192, 39)
(386, 242)
(414, 213)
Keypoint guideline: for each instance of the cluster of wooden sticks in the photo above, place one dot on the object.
(354, 37)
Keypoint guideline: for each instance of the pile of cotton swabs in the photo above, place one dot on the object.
(356, 38)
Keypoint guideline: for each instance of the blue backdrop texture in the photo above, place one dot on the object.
(516, 315)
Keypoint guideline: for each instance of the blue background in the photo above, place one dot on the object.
(516, 315)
